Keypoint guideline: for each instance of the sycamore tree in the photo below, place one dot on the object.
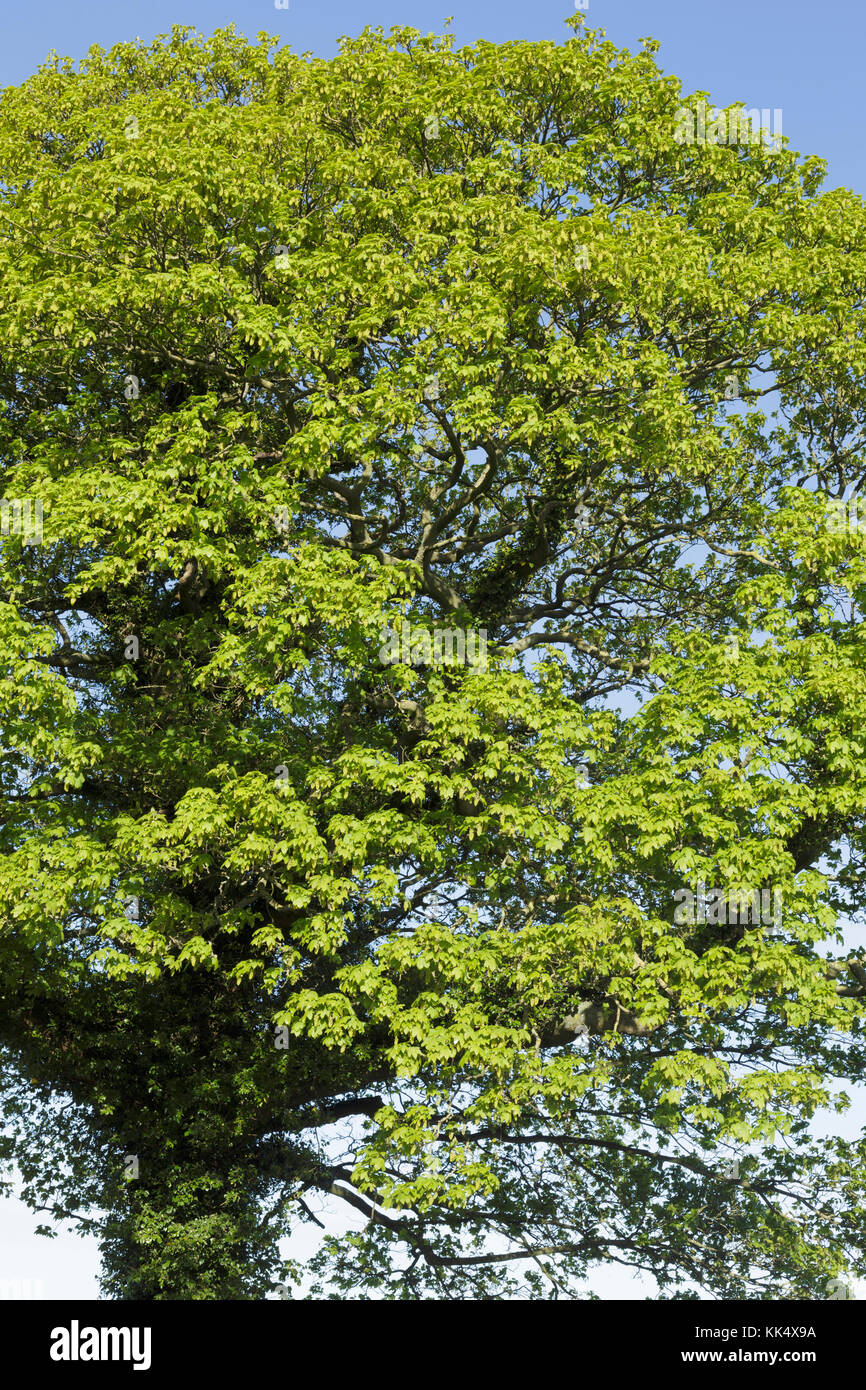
(431, 594)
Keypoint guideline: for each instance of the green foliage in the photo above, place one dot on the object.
(405, 933)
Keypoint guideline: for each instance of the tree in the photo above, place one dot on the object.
(307, 363)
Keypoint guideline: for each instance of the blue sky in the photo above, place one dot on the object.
(803, 58)
(783, 54)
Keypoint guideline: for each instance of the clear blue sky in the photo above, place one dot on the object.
(805, 59)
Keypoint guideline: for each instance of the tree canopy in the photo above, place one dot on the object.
(294, 351)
